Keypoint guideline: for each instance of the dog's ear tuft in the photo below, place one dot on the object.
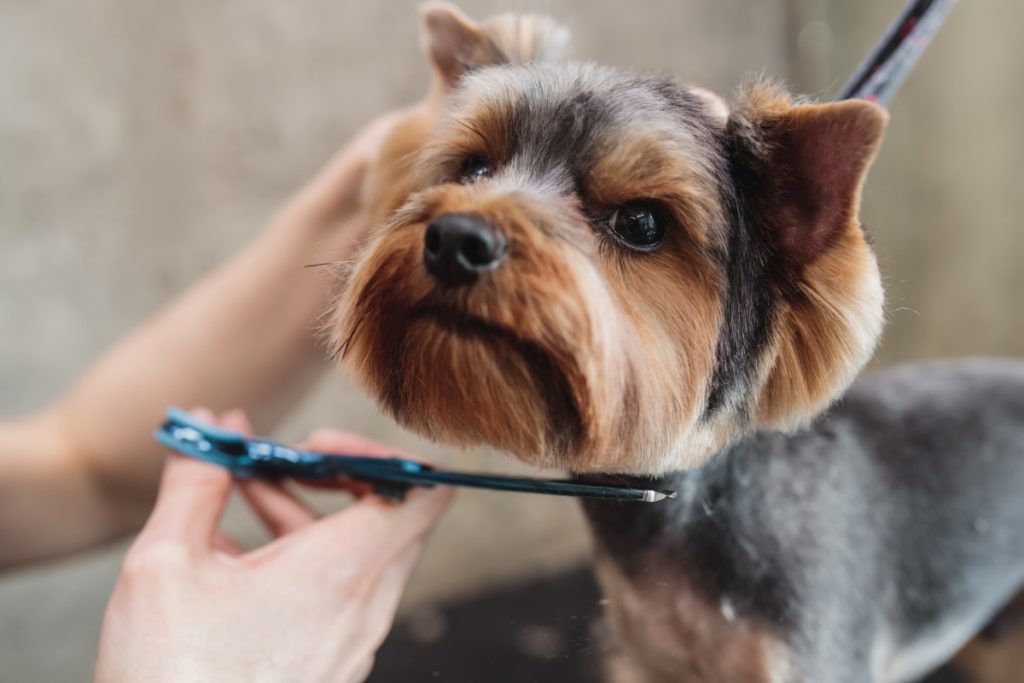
(453, 42)
(812, 162)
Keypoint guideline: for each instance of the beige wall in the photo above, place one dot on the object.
(141, 143)
(944, 200)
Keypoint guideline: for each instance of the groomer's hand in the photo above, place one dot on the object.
(332, 200)
(312, 605)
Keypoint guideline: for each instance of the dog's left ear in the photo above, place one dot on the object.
(454, 43)
(800, 172)
(812, 161)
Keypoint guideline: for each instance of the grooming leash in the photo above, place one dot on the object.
(889, 63)
(876, 80)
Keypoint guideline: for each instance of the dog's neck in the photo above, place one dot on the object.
(694, 488)
(715, 531)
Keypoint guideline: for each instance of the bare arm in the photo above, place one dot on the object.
(85, 469)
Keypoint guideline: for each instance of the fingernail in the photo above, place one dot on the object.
(236, 420)
(204, 414)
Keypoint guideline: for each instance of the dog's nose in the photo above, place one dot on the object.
(457, 247)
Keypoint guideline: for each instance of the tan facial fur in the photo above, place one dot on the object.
(578, 352)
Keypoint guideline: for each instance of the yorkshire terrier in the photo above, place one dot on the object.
(626, 277)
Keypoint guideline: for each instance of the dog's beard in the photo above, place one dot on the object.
(460, 378)
(536, 361)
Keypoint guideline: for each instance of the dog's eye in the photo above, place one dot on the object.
(638, 224)
(475, 168)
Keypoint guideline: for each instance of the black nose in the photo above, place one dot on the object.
(457, 247)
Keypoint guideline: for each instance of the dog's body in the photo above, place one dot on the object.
(611, 273)
(869, 547)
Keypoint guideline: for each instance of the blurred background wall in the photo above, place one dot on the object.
(142, 143)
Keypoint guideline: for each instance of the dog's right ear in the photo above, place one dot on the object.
(799, 169)
(454, 43)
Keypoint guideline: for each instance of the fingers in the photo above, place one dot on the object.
(364, 147)
(337, 442)
(237, 421)
(226, 544)
(347, 443)
(193, 496)
(280, 510)
(373, 134)
(334, 192)
(190, 502)
(372, 527)
(373, 531)
(367, 550)
(277, 508)
(404, 521)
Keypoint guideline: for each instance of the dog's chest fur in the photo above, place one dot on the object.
(869, 546)
(695, 587)
(669, 630)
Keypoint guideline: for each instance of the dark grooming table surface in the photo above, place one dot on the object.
(543, 631)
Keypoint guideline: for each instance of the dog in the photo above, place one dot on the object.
(633, 280)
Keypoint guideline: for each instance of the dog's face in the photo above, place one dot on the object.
(607, 273)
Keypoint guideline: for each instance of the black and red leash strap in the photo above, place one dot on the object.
(881, 74)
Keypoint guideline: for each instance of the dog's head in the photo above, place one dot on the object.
(601, 272)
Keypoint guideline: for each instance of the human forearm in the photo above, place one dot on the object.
(40, 481)
(84, 470)
(246, 335)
